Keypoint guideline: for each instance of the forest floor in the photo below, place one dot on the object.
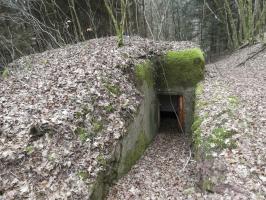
(234, 100)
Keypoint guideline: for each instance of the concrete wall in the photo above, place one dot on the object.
(130, 147)
(140, 132)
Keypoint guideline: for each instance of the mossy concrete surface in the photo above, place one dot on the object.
(181, 68)
(145, 72)
(140, 132)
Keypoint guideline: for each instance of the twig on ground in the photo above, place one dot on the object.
(187, 160)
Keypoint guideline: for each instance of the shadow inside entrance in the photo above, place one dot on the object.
(169, 123)
(171, 113)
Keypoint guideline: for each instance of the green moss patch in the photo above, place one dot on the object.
(197, 135)
(97, 126)
(221, 139)
(29, 149)
(112, 89)
(207, 185)
(199, 89)
(233, 101)
(101, 160)
(181, 68)
(145, 73)
(83, 175)
(109, 108)
(133, 155)
(82, 133)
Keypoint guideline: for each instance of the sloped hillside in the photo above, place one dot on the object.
(229, 127)
(62, 112)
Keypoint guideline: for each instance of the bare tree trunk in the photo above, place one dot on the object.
(231, 22)
(119, 25)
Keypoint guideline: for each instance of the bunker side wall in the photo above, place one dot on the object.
(131, 147)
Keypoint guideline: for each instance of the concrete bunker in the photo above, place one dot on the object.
(174, 76)
(178, 73)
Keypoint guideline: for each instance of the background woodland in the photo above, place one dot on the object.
(219, 26)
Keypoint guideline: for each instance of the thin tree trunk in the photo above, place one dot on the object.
(232, 24)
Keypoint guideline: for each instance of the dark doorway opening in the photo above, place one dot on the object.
(172, 115)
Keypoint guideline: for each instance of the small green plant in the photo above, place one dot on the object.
(82, 114)
(221, 139)
(81, 132)
(4, 73)
(83, 175)
(29, 149)
(207, 185)
(109, 108)
(199, 89)
(233, 101)
(112, 89)
(78, 115)
(101, 160)
(97, 126)
(51, 157)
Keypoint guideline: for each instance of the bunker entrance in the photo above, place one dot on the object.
(171, 113)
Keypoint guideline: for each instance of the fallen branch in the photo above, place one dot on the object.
(252, 56)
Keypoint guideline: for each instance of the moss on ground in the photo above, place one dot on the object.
(109, 108)
(97, 126)
(181, 68)
(233, 101)
(82, 133)
(101, 160)
(112, 89)
(199, 89)
(207, 185)
(221, 139)
(83, 175)
(29, 149)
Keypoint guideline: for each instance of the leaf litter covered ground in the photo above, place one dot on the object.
(164, 172)
(233, 98)
(62, 112)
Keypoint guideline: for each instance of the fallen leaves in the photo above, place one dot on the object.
(60, 109)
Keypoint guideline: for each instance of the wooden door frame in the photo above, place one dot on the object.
(181, 111)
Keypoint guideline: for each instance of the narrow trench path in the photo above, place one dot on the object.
(165, 171)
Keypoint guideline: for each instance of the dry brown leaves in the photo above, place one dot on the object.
(63, 110)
